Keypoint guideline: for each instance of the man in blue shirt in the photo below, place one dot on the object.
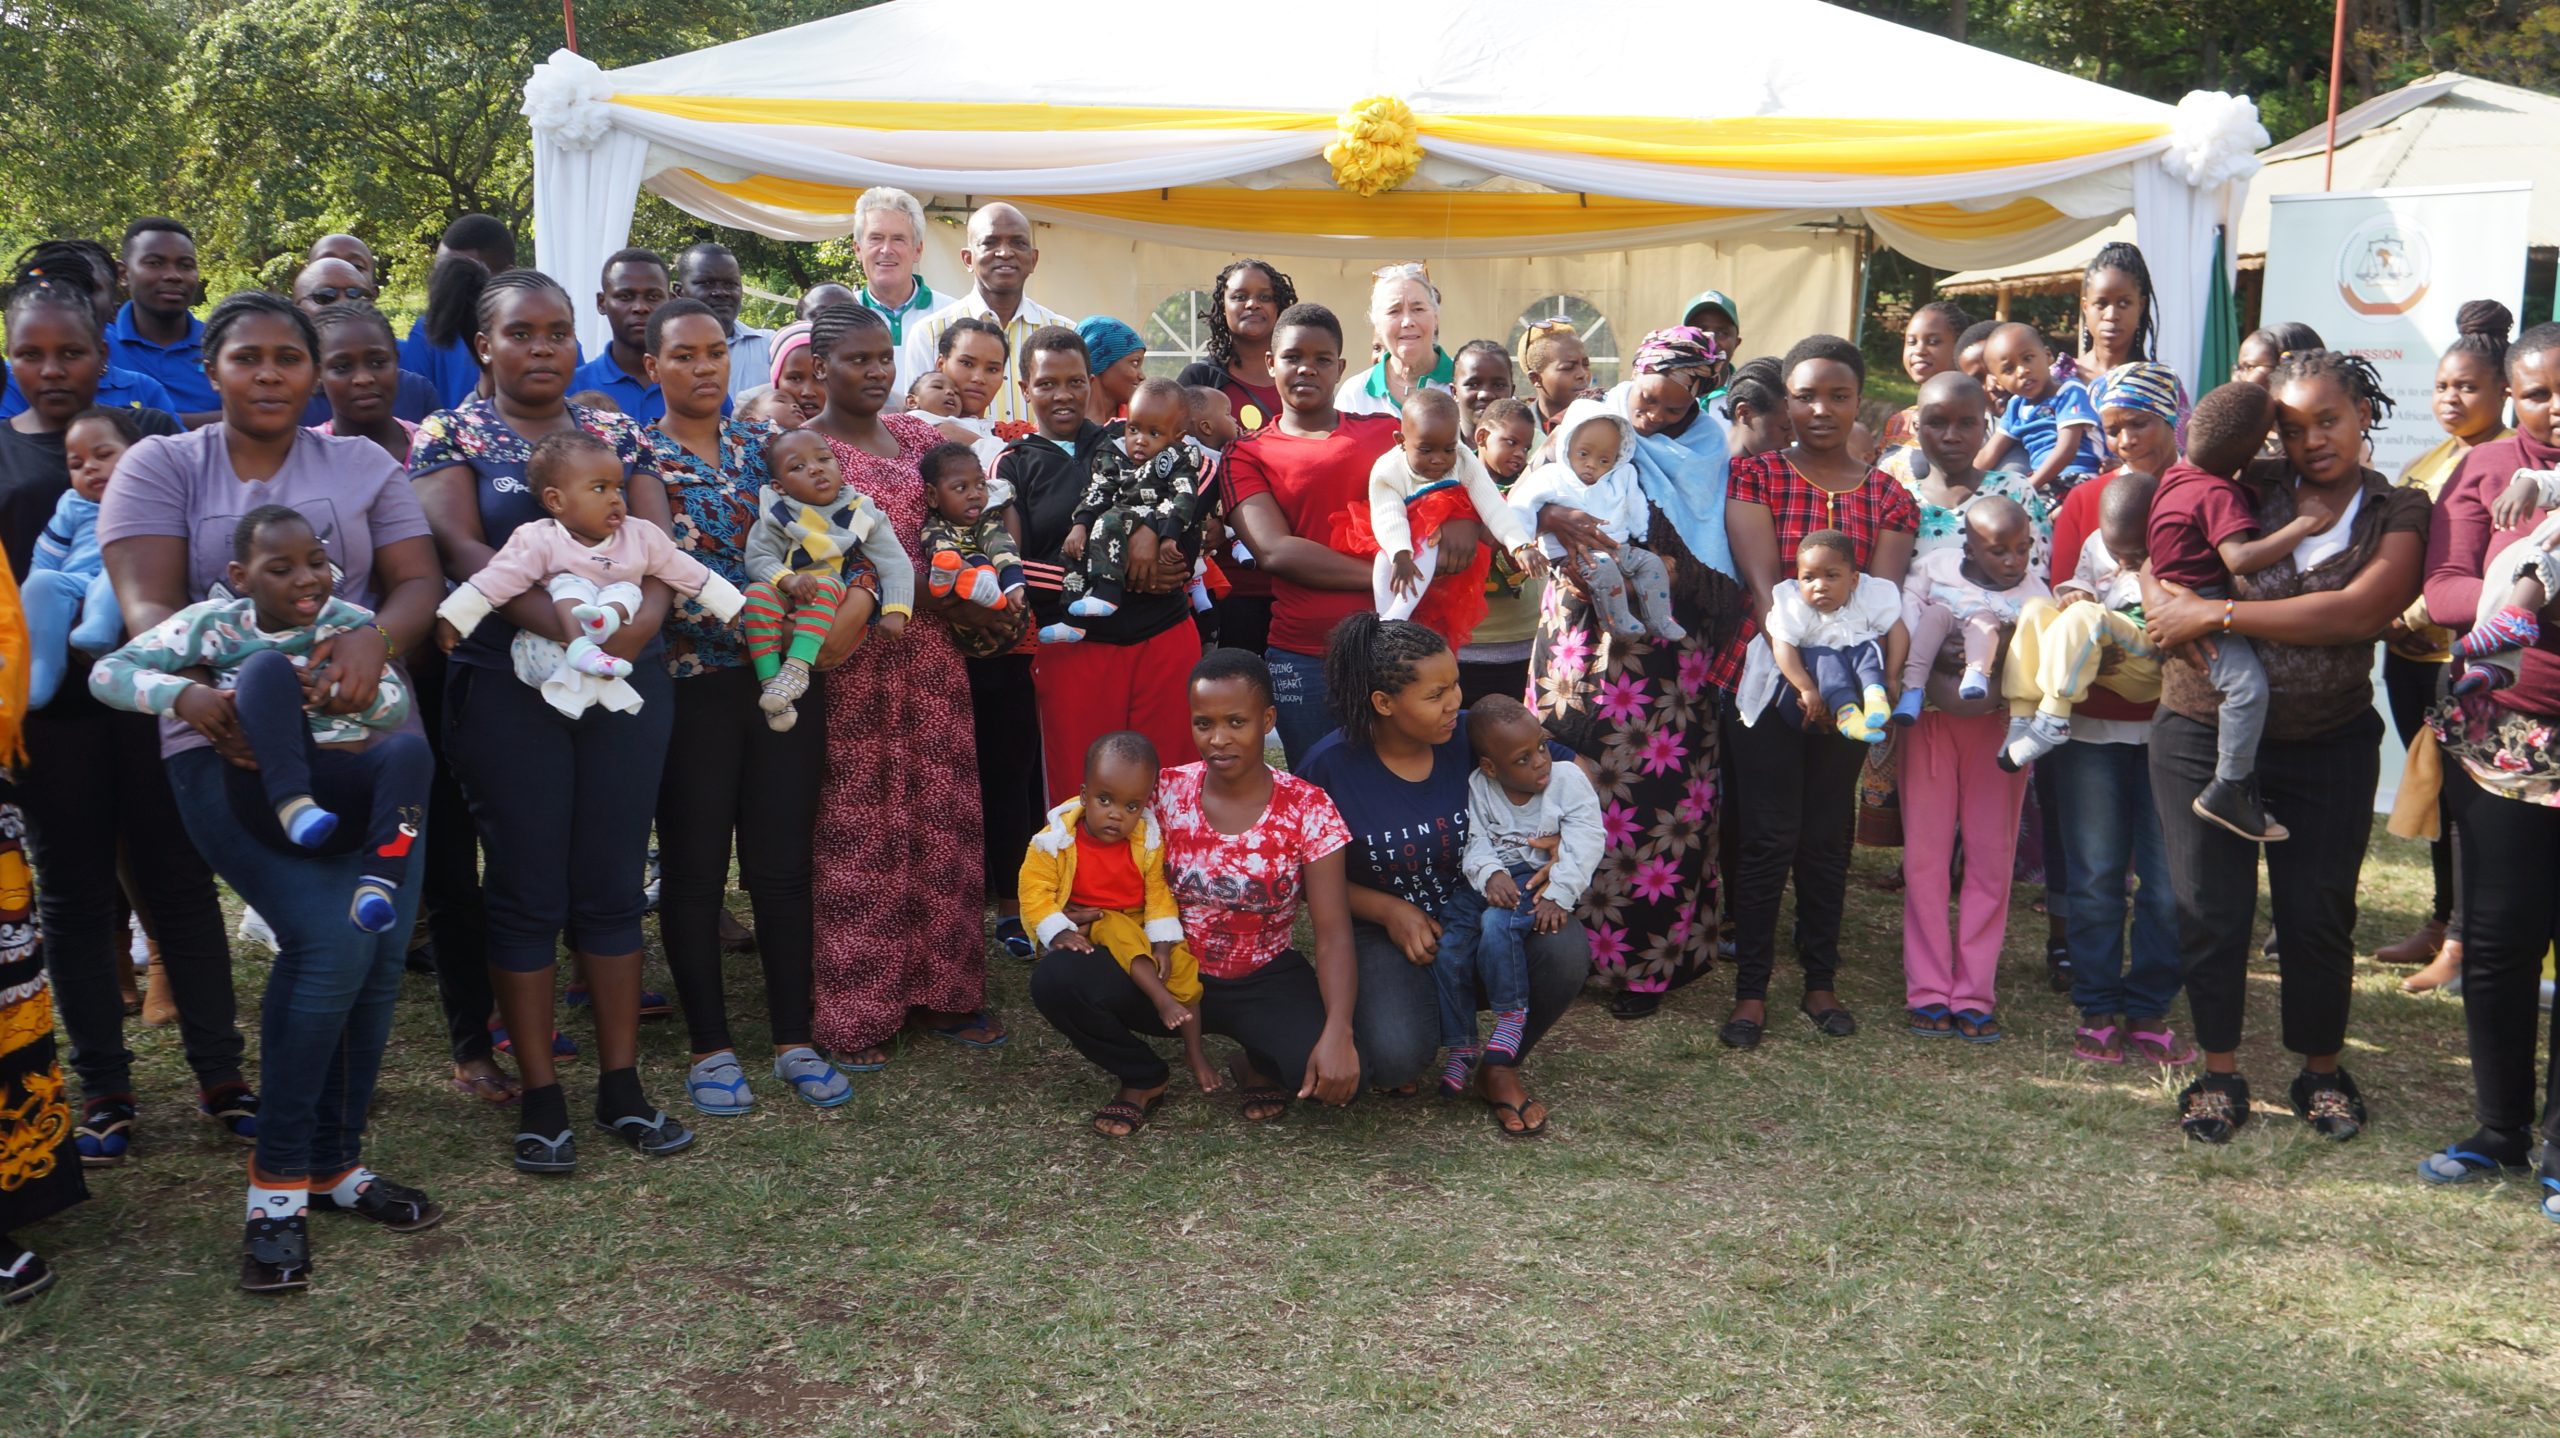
(451, 367)
(708, 271)
(157, 332)
(328, 281)
(634, 285)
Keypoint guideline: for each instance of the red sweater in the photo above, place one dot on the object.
(2459, 544)
(2072, 526)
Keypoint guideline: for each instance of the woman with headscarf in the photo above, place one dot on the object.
(1119, 360)
(795, 375)
(1645, 712)
(2101, 781)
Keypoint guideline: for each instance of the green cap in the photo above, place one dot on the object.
(1704, 299)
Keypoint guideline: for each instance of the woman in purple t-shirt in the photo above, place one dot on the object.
(165, 531)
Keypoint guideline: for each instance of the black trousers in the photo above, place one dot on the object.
(726, 772)
(2410, 686)
(2321, 789)
(92, 785)
(1011, 793)
(1792, 800)
(1244, 622)
(1276, 1014)
(2510, 855)
(457, 916)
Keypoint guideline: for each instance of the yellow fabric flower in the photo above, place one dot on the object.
(1380, 146)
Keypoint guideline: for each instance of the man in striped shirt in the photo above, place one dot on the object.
(1000, 257)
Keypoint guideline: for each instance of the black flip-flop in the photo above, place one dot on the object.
(1835, 1022)
(655, 1135)
(1120, 1110)
(1526, 1129)
(1741, 1033)
(1633, 1004)
(557, 1153)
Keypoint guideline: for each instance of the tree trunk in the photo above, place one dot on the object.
(1955, 19)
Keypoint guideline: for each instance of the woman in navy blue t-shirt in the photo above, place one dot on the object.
(1397, 772)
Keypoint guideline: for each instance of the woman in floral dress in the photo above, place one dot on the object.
(1645, 713)
(900, 895)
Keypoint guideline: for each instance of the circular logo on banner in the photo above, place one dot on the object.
(2384, 268)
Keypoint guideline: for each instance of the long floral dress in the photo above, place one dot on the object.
(900, 893)
(1645, 714)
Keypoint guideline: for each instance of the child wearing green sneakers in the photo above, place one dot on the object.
(1837, 638)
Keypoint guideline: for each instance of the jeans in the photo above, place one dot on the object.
(1843, 675)
(381, 786)
(327, 1012)
(1298, 694)
(94, 786)
(1397, 1021)
(2110, 829)
(2511, 914)
(2321, 788)
(1482, 950)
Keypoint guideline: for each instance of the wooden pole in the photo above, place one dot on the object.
(2337, 58)
(569, 26)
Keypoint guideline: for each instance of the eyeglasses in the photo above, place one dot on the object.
(331, 294)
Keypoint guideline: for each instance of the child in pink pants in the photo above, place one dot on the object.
(1954, 788)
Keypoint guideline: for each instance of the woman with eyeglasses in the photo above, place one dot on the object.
(1404, 317)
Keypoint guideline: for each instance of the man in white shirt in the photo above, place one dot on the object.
(709, 272)
(1000, 257)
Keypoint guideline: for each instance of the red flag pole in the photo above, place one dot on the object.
(2337, 57)
(569, 24)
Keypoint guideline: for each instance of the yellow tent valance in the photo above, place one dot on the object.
(1779, 143)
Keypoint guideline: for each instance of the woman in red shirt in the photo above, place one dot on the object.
(1791, 792)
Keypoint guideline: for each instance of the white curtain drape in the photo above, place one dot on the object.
(583, 199)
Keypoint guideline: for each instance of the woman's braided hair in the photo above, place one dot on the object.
(2126, 259)
(1368, 656)
(2353, 373)
(1222, 341)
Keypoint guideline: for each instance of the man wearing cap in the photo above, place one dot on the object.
(1715, 312)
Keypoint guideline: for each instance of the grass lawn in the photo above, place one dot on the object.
(1877, 1236)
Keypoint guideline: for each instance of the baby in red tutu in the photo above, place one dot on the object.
(1414, 489)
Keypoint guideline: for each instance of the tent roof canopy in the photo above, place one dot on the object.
(2446, 129)
(764, 134)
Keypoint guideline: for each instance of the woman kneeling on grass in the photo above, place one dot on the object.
(1242, 845)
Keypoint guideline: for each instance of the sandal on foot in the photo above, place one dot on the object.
(977, 1021)
(1977, 1026)
(489, 1088)
(2551, 1198)
(656, 1135)
(275, 1255)
(24, 1279)
(105, 1135)
(562, 1046)
(2458, 1164)
(2057, 967)
(865, 1066)
(1835, 1022)
(1930, 1021)
(396, 1206)
(2162, 1046)
(2096, 1044)
(1016, 940)
(1526, 1129)
(2213, 1107)
(717, 1086)
(2330, 1103)
(816, 1082)
(1741, 1033)
(555, 1154)
(233, 1109)
(1133, 1116)
(1251, 1096)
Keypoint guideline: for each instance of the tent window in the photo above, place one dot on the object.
(1177, 332)
(1587, 321)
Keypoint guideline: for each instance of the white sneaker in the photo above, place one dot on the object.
(255, 930)
(141, 943)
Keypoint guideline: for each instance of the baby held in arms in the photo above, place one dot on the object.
(1426, 481)
(1836, 635)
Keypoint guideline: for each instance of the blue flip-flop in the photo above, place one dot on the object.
(1927, 1031)
(2551, 1198)
(717, 1086)
(976, 1020)
(1016, 939)
(2459, 1165)
(818, 1084)
(1986, 1025)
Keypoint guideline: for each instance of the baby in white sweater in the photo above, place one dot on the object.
(1423, 483)
(1588, 463)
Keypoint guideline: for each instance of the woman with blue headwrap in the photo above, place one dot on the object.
(1645, 712)
(1118, 359)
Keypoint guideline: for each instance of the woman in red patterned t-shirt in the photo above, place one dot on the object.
(1791, 791)
(1243, 847)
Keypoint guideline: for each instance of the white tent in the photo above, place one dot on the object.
(1437, 128)
(2447, 129)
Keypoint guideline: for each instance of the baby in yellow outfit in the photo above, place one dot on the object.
(1093, 878)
